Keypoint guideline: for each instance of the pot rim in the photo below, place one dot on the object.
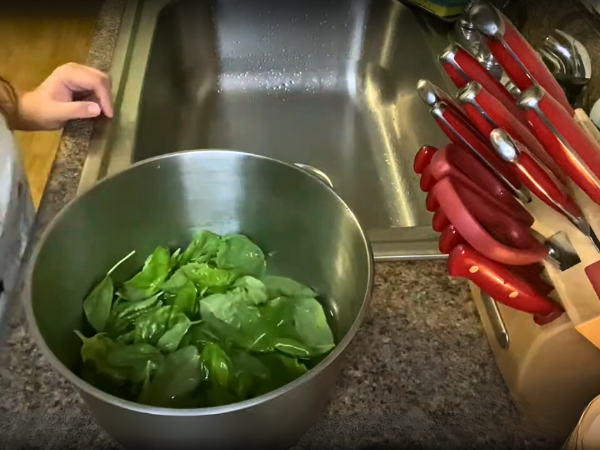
(87, 388)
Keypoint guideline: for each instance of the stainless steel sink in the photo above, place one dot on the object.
(330, 84)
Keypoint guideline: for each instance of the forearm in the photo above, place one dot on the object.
(9, 104)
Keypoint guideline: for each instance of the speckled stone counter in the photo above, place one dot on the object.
(420, 372)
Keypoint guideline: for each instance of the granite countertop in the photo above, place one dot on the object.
(420, 372)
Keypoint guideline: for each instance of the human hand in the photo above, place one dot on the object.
(72, 91)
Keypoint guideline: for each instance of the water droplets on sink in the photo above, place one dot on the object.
(297, 79)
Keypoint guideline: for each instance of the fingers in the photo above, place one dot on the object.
(75, 110)
(78, 78)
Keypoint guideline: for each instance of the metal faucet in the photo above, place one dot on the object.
(569, 62)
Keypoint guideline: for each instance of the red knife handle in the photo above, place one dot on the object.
(440, 221)
(564, 139)
(427, 180)
(488, 212)
(462, 68)
(483, 124)
(431, 203)
(457, 76)
(528, 273)
(500, 224)
(498, 282)
(449, 239)
(423, 158)
(463, 133)
(593, 275)
(523, 64)
(545, 188)
(538, 72)
(460, 164)
(531, 270)
(488, 113)
(517, 246)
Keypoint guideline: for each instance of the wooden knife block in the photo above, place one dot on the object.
(552, 371)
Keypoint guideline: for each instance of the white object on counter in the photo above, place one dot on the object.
(16, 217)
(586, 435)
(595, 114)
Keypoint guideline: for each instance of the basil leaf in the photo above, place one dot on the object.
(312, 327)
(179, 324)
(132, 361)
(217, 364)
(98, 304)
(252, 290)
(249, 374)
(202, 248)
(175, 282)
(230, 308)
(96, 371)
(124, 314)
(286, 287)
(297, 327)
(253, 328)
(240, 255)
(199, 335)
(218, 372)
(117, 362)
(150, 327)
(145, 391)
(126, 338)
(184, 293)
(283, 370)
(175, 381)
(147, 282)
(205, 276)
(175, 258)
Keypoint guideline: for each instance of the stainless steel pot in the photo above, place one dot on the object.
(313, 235)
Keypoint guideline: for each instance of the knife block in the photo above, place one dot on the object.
(552, 371)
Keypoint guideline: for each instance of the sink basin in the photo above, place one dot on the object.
(328, 84)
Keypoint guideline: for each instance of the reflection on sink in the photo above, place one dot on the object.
(329, 84)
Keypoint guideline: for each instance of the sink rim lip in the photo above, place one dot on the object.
(100, 395)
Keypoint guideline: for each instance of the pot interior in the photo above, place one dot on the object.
(308, 232)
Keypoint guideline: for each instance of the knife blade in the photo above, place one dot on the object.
(513, 52)
(564, 139)
(487, 114)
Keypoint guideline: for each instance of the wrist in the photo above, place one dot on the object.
(23, 118)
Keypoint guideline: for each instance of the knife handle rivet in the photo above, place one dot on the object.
(474, 269)
(514, 294)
